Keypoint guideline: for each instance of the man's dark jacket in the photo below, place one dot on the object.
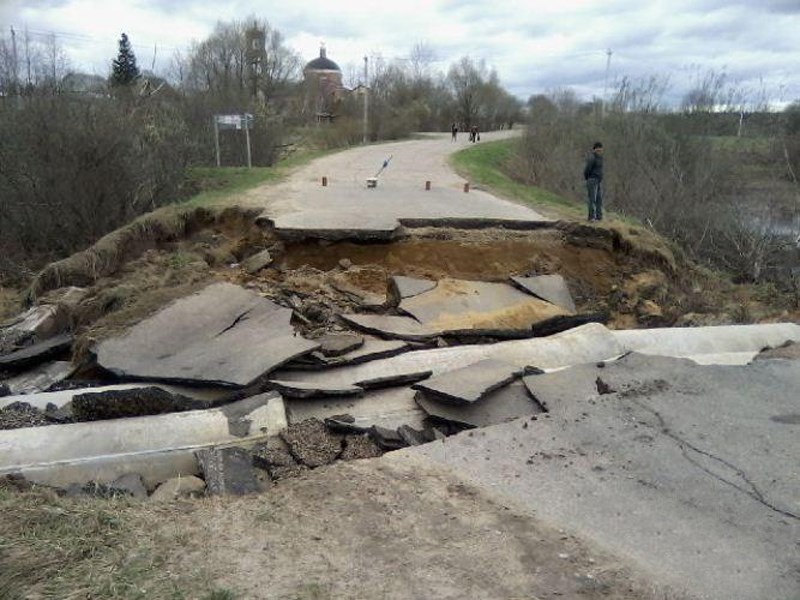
(594, 167)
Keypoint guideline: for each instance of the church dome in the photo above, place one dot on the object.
(323, 63)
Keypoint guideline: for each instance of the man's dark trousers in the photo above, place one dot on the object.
(594, 187)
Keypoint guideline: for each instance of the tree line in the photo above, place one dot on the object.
(82, 154)
(719, 179)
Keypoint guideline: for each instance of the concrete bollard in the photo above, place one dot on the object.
(324, 181)
(466, 188)
(427, 186)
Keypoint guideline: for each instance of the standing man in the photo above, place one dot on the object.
(454, 131)
(593, 174)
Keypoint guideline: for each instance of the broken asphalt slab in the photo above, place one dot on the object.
(459, 305)
(372, 349)
(551, 288)
(40, 378)
(588, 343)
(401, 287)
(37, 353)
(157, 447)
(685, 469)
(471, 383)
(502, 405)
(389, 408)
(300, 389)
(222, 335)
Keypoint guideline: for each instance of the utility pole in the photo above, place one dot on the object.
(366, 99)
(605, 85)
(15, 78)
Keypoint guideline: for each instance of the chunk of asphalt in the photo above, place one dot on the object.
(311, 444)
(508, 403)
(360, 446)
(301, 389)
(457, 305)
(471, 383)
(36, 353)
(40, 378)
(393, 380)
(373, 349)
(391, 326)
(137, 402)
(337, 424)
(561, 323)
(228, 471)
(388, 439)
(551, 288)
(223, 334)
(401, 287)
(337, 344)
(412, 436)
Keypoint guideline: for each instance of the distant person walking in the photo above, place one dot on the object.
(593, 174)
(454, 130)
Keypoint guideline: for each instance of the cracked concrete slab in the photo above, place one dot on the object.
(723, 344)
(505, 404)
(157, 447)
(684, 469)
(458, 305)
(551, 288)
(222, 335)
(471, 383)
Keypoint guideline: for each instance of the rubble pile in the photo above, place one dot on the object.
(246, 385)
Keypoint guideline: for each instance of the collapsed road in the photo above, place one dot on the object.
(458, 328)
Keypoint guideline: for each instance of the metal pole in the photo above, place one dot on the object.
(366, 100)
(216, 138)
(247, 136)
(15, 77)
(605, 85)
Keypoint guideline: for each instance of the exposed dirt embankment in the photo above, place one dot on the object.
(626, 273)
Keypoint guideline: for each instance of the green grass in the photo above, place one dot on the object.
(60, 548)
(219, 184)
(486, 165)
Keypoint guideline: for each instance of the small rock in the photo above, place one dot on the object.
(130, 484)
(178, 487)
(411, 436)
(257, 262)
(603, 387)
(388, 439)
(345, 263)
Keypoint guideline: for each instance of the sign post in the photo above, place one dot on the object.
(245, 121)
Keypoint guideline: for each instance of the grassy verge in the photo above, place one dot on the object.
(54, 547)
(215, 185)
(485, 164)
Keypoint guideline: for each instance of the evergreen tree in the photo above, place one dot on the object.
(123, 68)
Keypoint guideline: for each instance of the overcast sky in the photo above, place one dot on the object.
(536, 46)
